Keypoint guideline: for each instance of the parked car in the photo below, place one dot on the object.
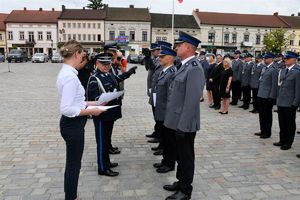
(17, 55)
(56, 58)
(2, 58)
(134, 58)
(39, 57)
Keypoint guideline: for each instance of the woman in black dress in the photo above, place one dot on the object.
(209, 85)
(225, 85)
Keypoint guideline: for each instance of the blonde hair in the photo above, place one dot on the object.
(70, 48)
(228, 61)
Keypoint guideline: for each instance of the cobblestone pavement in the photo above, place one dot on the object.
(231, 163)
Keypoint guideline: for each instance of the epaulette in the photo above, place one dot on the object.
(194, 63)
(298, 67)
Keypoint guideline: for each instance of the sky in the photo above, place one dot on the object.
(284, 7)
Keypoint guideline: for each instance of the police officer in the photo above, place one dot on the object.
(254, 80)
(267, 94)
(183, 113)
(280, 63)
(101, 82)
(167, 58)
(237, 66)
(288, 100)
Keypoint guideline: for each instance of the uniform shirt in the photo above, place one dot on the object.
(70, 91)
(186, 60)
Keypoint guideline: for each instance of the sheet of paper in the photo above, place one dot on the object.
(154, 99)
(109, 96)
(102, 107)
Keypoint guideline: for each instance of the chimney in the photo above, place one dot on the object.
(25, 8)
(131, 6)
(197, 9)
(292, 15)
(53, 9)
(276, 14)
(41, 9)
(63, 7)
(83, 8)
(298, 14)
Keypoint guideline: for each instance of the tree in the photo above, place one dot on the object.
(95, 4)
(275, 41)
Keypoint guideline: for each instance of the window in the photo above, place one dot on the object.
(89, 25)
(122, 33)
(94, 37)
(64, 37)
(22, 37)
(84, 37)
(64, 25)
(164, 39)
(292, 42)
(158, 38)
(69, 37)
(94, 25)
(1, 38)
(257, 39)
(74, 36)
(74, 25)
(234, 38)
(211, 37)
(40, 35)
(31, 36)
(111, 35)
(132, 35)
(10, 35)
(298, 43)
(69, 25)
(79, 25)
(49, 36)
(83, 25)
(99, 25)
(89, 37)
(226, 38)
(246, 38)
(99, 37)
(144, 36)
(79, 37)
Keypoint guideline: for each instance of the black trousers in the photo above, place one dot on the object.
(246, 96)
(159, 126)
(265, 107)
(254, 98)
(169, 146)
(72, 131)
(103, 132)
(186, 161)
(236, 91)
(216, 94)
(287, 124)
(156, 133)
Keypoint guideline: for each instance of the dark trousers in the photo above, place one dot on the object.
(236, 91)
(216, 94)
(186, 161)
(265, 107)
(103, 132)
(159, 126)
(72, 131)
(287, 124)
(156, 133)
(254, 98)
(246, 96)
(169, 146)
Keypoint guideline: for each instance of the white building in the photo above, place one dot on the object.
(130, 27)
(162, 26)
(34, 31)
(226, 32)
(84, 25)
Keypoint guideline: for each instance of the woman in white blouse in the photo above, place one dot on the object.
(74, 114)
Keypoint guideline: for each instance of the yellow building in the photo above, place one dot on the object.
(2, 34)
(293, 33)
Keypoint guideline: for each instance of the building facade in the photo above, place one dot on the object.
(162, 26)
(293, 33)
(130, 27)
(34, 31)
(84, 25)
(2, 34)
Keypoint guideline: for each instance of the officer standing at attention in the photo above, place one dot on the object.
(280, 63)
(183, 113)
(167, 58)
(245, 80)
(254, 80)
(288, 100)
(102, 82)
(267, 94)
(237, 66)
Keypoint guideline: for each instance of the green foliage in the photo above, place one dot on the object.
(275, 41)
(95, 4)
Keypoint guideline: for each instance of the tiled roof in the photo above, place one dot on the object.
(180, 21)
(33, 16)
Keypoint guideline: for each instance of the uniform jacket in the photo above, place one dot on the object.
(237, 66)
(255, 74)
(268, 83)
(155, 76)
(153, 64)
(185, 91)
(246, 73)
(289, 87)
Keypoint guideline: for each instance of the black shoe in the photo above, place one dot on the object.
(154, 140)
(114, 151)
(158, 153)
(224, 113)
(202, 100)
(233, 103)
(285, 147)
(263, 136)
(212, 106)
(155, 148)
(298, 132)
(275, 110)
(258, 134)
(179, 196)
(246, 107)
(277, 144)
(153, 135)
(298, 155)
(114, 148)
(108, 172)
(253, 111)
(112, 165)
(242, 106)
(172, 188)
(217, 107)
(164, 169)
(157, 165)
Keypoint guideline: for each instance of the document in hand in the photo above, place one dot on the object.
(102, 107)
(107, 97)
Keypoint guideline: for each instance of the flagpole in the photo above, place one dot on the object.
(173, 23)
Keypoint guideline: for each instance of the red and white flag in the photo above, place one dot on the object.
(180, 1)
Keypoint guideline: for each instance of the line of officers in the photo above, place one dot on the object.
(273, 80)
(175, 86)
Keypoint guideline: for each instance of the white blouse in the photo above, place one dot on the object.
(70, 91)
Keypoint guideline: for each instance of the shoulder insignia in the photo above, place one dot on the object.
(194, 63)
